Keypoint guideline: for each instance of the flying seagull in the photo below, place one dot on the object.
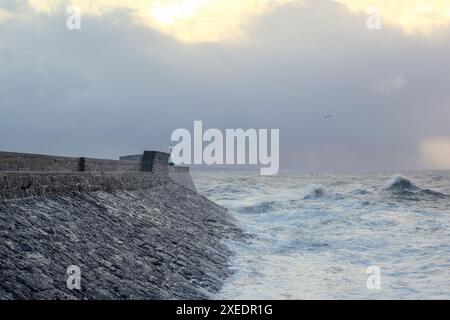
(328, 116)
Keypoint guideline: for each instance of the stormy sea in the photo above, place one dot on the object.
(314, 236)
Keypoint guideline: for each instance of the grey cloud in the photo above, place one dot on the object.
(114, 87)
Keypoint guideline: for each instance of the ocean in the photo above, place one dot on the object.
(314, 235)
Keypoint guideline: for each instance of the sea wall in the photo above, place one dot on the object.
(160, 243)
(178, 174)
(96, 165)
(182, 176)
(16, 185)
(11, 161)
(135, 228)
(25, 162)
(27, 175)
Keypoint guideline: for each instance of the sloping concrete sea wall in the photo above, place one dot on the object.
(133, 234)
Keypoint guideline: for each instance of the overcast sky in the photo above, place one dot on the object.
(135, 72)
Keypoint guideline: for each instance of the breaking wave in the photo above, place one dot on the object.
(315, 192)
(401, 186)
(398, 183)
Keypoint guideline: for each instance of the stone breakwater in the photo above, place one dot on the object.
(134, 235)
(161, 243)
(22, 185)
